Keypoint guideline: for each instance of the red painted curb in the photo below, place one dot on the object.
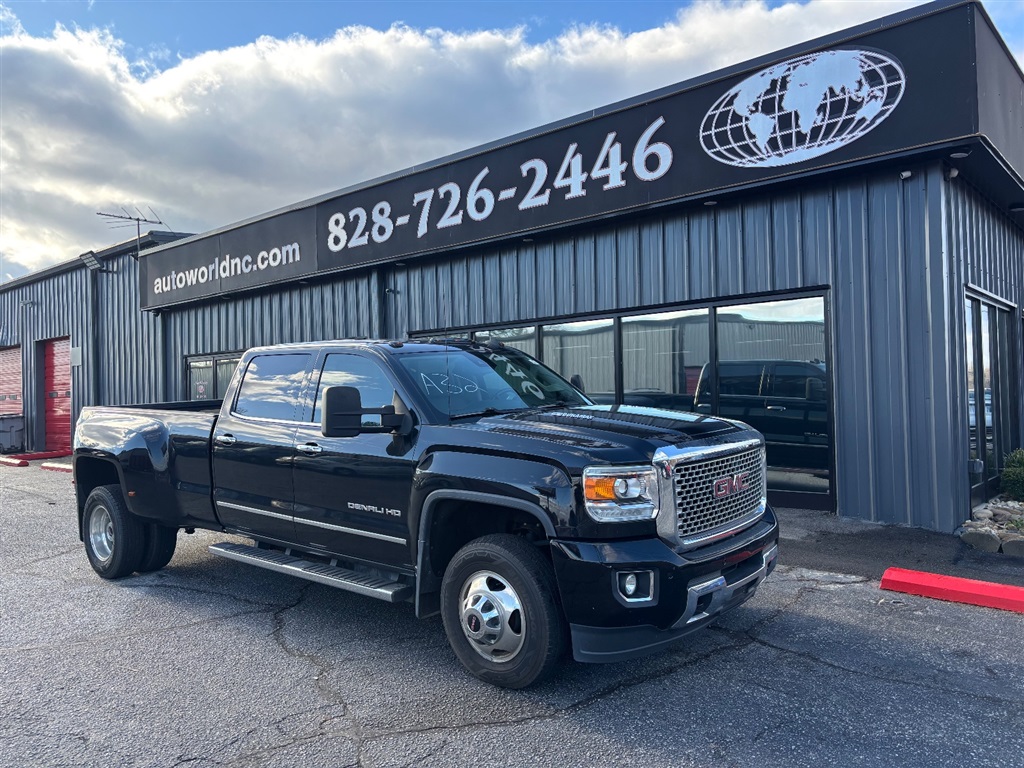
(10, 461)
(54, 467)
(41, 455)
(954, 589)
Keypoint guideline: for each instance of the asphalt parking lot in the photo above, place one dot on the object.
(211, 662)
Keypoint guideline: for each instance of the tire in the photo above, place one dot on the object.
(158, 549)
(500, 611)
(114, 538)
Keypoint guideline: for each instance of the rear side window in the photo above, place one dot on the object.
(271, 385)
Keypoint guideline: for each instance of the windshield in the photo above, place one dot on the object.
(480, 380)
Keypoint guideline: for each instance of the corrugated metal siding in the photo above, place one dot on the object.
(345, 308)
(127, 338)
(684, 256)
(879, 242)
(48, 309)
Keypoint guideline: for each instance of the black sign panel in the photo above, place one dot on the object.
(279, 248)
(904, 86)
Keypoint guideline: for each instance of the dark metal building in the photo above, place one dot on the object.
(827, 242)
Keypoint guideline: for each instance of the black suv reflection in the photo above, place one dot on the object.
(785, 400)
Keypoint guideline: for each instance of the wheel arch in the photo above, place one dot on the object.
(90, 473)
(478, 514)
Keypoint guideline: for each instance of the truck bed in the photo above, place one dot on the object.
(162, 452)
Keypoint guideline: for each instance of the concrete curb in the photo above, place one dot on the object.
(8, 461)
(41, 455)
(954, 589)
(55, 467)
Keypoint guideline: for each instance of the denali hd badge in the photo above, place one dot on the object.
(802, 108)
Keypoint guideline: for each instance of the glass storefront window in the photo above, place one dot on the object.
(223, 370)
(584, 354)
(200, 380)
(208, 376)
(662, 357)
(524, 339)
(773, 374)
(770, 368)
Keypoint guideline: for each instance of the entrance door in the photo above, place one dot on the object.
(57, 394)
(991, 417)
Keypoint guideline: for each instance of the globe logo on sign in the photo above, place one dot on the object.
(802, 108)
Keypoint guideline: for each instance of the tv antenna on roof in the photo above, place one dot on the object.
(125, 219)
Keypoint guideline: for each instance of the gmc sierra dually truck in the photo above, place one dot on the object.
(467, 479)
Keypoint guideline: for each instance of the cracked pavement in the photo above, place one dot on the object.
(214, 663)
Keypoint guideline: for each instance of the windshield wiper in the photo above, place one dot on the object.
(484, 412)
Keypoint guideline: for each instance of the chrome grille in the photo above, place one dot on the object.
(696, 506)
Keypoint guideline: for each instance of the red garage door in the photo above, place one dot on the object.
(57, 394)
(10, 381)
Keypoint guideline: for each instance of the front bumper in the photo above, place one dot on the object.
(689, 589)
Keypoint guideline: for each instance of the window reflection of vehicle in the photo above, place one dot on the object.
(786, 400)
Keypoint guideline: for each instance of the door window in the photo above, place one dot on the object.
(806, 380)
(375, 388)
(271, 385)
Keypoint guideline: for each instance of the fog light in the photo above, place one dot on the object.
(629, 585)
(635, 586)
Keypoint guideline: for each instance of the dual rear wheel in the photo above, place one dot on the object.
(117, 542)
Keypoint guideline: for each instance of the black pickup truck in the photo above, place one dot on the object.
(467, 479)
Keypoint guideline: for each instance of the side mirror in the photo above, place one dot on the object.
(815, 390)
(577, 382)
(343, 415)
(342, 412)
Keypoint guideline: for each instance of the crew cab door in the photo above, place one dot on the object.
(352, 493)
(254, 446)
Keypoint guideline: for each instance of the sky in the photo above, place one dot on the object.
(210, 112)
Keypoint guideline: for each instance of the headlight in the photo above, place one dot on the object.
(621, 494)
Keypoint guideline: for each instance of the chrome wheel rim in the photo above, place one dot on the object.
(101, 533)
(492, 617)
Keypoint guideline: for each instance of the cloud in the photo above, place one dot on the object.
(231, 133)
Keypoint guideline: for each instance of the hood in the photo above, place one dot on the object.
(621, 430)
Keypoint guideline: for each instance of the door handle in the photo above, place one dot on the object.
(311, 449)
(775, 408)
(224, 439)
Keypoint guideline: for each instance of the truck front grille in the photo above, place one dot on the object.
(698, 507)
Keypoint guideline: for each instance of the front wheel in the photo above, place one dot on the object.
(114, 537)
(500, 611)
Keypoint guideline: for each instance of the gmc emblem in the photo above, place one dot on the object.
(727, 485)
